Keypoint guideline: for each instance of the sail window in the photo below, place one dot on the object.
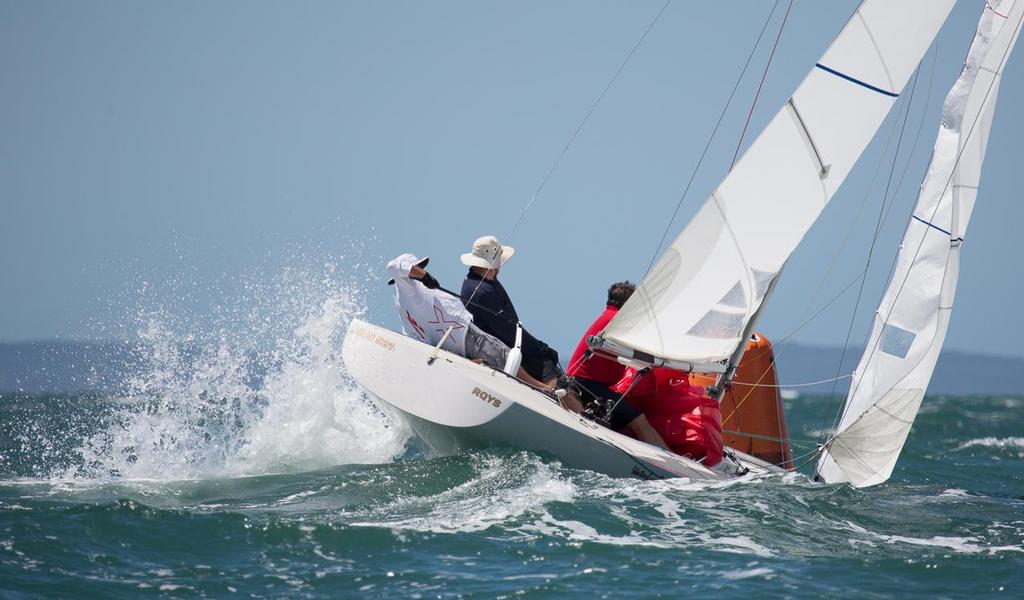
(718, 325)
(762, 279)
(734, 297)
(896, 341)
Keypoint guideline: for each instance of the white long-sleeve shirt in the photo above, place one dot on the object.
(427, 314)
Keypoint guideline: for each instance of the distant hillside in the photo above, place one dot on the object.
(41, 367)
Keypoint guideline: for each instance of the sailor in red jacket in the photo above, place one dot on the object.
(689, 421)
(594, 374)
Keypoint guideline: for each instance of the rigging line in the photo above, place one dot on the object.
(736, 154)
(874, 178)
(711, 138)
(853, 224)
(924, 113)
(871, 250)
(788, 337)
(575, 133)
(791, 385)
(892, 267)
(962, 147)
(887, 203)
(906, 167)
(586, 118)
(767, 438)
(810, 456)
(785, 341)
(760, 85)
(917, 137)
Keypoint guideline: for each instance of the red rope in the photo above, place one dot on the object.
(760, 85)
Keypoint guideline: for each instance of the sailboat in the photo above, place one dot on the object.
(697, 308)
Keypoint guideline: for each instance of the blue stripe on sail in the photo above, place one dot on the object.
(933, 226)
(857, 81)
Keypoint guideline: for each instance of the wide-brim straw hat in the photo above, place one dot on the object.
(488, 253)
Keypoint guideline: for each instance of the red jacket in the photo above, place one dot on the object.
(688, 420)
(596, 368)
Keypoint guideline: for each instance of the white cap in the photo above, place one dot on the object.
(402, 264)
(488, 253)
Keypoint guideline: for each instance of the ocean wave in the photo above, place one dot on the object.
(993, 442)
(966, 545)
(262, 391)
(504, 489)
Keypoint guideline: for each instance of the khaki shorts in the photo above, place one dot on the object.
(486, 347)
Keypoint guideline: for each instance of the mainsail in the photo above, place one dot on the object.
(913, 316)
(695, 304)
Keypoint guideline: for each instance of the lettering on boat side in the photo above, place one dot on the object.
(492, 400)
(643, 473)
(375, 338)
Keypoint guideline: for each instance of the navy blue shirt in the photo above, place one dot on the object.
(493, 312)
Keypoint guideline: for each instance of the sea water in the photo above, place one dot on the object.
(231, 469)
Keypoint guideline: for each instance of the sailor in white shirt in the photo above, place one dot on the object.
(427, 313)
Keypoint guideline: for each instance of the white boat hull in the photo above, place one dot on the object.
(454, 404)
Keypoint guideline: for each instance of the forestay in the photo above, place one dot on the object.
(696, 302)
(912, 319)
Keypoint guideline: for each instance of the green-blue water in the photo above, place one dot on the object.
(242, 461)
(106, 497)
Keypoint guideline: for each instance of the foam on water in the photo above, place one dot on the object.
(262, 391)
(960, 544)
(748, 573)
(499, 493)
(967, 545)
(994, 442)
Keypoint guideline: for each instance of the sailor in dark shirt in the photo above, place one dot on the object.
(493, 312)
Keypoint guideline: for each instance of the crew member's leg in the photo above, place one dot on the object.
(487, 349)
(640, 428)
(625, 417)
(548, 370)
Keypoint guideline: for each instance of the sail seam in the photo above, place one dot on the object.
(932, 225)
(894, 417)
(857, 81)
(874, 44)
(716, 196)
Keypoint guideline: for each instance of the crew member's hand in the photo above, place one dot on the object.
(423, 277)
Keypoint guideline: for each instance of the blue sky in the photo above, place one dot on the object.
(197, 141)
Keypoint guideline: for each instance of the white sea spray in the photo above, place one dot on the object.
(262, 390)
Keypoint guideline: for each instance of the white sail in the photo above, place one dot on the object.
(696, 302)
(913, 316)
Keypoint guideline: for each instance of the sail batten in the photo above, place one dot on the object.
(688, 308)
(913, 316)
